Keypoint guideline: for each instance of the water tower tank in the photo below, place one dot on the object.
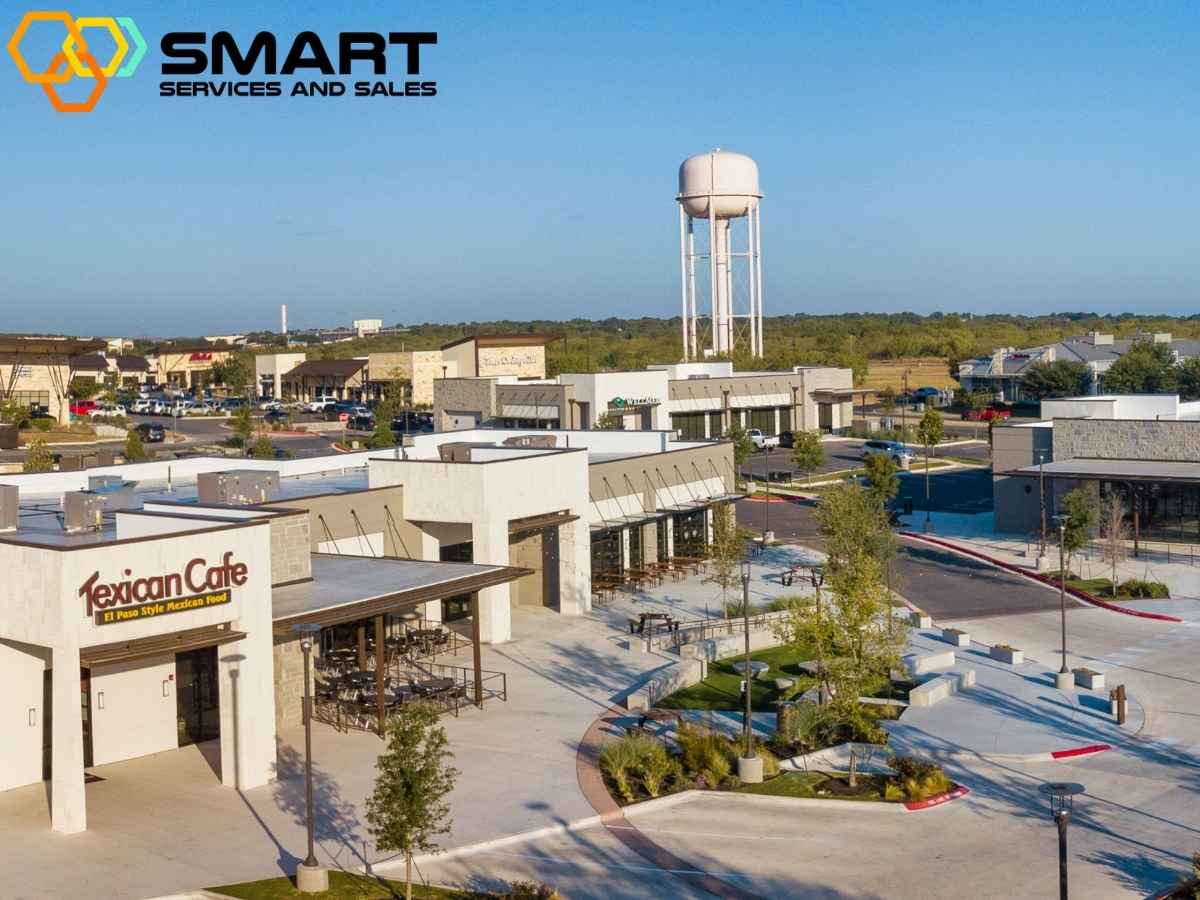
(730, 179)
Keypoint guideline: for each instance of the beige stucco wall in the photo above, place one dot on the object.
(527, 362)
(420, 367)
(37, 376)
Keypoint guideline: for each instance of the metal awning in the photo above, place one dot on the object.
(1116, 470)
(612, 523)
(530, 523)
(159, 645)
(686, 506)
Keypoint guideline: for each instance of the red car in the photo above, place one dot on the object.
(82, 407)
(987, 414)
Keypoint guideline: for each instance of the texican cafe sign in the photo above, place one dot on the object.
(198, 586)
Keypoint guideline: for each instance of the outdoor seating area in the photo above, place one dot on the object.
(653, 574)
(649, 623)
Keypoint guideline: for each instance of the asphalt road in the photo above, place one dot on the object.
(944, 584)
(960, 490)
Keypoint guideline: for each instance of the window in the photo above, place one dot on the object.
(763, 420)
(785, 419)
(689, 425)
(31, 399)
(606, 553)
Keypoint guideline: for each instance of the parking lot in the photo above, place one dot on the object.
(847, 453)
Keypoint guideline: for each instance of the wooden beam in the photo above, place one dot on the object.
(362, 646)
(380, 676)
(475, 654)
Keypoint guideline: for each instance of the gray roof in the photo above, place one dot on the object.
(1118, 470)
(1077, 349)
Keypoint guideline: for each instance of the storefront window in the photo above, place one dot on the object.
(763, 420)
(663, 550)
(785, 419)
(691, 533)
(689, 425)
(635, 547)
(606, 552)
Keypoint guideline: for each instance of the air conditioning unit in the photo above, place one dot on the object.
(118, 494)
(9, 507)
(238, 487)
(83, 511)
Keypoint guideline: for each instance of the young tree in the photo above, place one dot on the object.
(262, 448)
(38, 457)
(887, 400)
(84, 388)
(1188, 377)
(808, 453)
(1060, 378)
(135, 450)
(742, 446)
(407, 810)
(727, 552)
(882, 481)
(1114, 533)
(606, 421)
(243, 424)
(1080, 508)
(851, 521)
(930, 431)
(382, 436)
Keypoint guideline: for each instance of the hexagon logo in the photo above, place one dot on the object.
(75, 60)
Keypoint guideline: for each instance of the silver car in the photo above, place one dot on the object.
(899, 453)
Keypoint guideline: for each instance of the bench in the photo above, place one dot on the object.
(939, 687)
(925, 663)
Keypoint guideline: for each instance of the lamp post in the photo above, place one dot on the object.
(767, 535)
(1062, 802)
(310, 877)
(1042, 507)
(750, 768)
(816, 576)
(1063, 678)
(904, 410)
(928, 527)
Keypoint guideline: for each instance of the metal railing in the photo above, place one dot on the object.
(689, 632)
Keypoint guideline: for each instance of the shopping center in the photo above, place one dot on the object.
(167, 596)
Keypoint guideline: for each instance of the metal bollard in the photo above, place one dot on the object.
(1117, 698)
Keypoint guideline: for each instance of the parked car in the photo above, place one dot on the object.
(340, 412)
(233, 404)
(787, 439)
(82, 407)
(111, 410)
(899, 453)
(987, 414)
(318, 404)
(760, 440)
(361, 422)
(266, 404)
(412, 422)
(278, 416)
(924, 393)
(151, 432)
(158, 408)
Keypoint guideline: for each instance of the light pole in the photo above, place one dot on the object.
(1063, 678)
(904, 410)
(928, 520)
(1062, 802)
(1042, 506)
(816, 575)
(767, 515)
(749, 765)
(310, 877)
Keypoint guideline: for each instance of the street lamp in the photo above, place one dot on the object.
(904, 410)
(310, 877)
(816, 576)
(767, 515)
(749, 765)
(1062, 802)
(1042, 507)
(1063, 678)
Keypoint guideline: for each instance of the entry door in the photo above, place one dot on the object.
(550, 584)
(635, 547)
(825, 417)
(85, 702)
(196, 697)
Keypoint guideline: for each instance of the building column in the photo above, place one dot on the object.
(246, 686)
(68, 805)
(490, 547)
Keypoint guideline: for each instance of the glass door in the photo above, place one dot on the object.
(196, 697)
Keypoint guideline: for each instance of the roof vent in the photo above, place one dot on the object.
(237, 487)
(82, 511)
(1099, 339)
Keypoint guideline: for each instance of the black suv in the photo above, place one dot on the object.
(151, 432)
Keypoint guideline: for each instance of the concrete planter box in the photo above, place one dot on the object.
(1089, 679)
(956, 638)
(919, 620)
(1011, 655)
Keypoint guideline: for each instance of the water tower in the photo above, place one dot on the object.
(720, 188)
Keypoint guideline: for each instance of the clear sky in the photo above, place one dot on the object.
(1015, 157)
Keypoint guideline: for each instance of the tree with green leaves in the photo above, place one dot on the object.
(808, 452)
(606, 421)
(727, 553)
(82, 388)
(887, 400)
(883, 482)
(1057, 378)
(382, 437)
(38, 457)
(1146, 368)
(742, 445)
(931, 430)
(1114, 533)
(851, 520)
(1082, 513)
(13, 413)
(135, 450)
(408, 811)
(243, 424)
(262, 448)
(1187, 375)
(236, 373)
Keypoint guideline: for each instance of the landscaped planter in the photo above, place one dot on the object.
(956, 637)
(1014, 656)
(919, 620)
(1089, 679)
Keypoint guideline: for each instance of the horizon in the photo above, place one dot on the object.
(919, 159)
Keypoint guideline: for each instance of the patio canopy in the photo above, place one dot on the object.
(1117, 470)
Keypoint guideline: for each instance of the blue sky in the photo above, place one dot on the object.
(924, 156)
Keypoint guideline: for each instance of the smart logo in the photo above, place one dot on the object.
(73, 60)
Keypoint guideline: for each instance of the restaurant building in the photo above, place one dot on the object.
(36, 372)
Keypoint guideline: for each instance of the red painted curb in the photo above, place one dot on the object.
(1017, 570)
(765, 500)
(929, 803)
(1080, 751)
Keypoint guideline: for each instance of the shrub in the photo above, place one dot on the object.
(1136, 587)
(892, 792)
(618, 758)
(38, 457)
(528, 890)
(135, 450)
(42, 423)
(918, 778)
(769, 760)
(654, 765)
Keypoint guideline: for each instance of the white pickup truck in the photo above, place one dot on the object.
(760, 440)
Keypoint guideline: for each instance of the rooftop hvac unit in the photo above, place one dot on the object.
(548, 441)
(83, 511)
(239, 487)
(116, 491)
(9, 507)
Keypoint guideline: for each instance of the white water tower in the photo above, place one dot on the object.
(721, 187)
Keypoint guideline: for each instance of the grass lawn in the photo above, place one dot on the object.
(341, 885)
(720, 690)
(1100, 588)
(818, 784)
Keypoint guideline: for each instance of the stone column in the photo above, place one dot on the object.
(491, 548)
(246, 685)
(68, 805)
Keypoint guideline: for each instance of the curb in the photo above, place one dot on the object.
(1082, 596)
(1044, 756)
(938, 799)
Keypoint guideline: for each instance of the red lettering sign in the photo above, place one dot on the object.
(197, 577)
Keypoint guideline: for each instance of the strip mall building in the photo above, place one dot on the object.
(147, 609)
